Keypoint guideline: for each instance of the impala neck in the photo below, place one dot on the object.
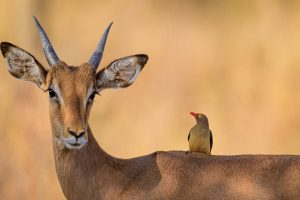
(78, 168)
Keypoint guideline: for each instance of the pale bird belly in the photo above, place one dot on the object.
(199, 144)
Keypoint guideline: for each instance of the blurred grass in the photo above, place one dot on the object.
(236, 61)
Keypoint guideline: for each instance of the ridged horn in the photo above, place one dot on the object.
(98, 53)
(49, 52)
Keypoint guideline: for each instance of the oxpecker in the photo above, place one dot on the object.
(200, 136)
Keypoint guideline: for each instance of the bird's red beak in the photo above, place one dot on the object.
(194, 114)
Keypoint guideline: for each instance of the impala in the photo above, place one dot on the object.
(86, 171)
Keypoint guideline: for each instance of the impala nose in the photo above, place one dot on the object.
(77, 134)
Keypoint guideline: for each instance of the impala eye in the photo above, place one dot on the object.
(51, 93)
(91, 98)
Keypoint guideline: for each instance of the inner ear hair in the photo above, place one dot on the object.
(23, 65)
(121, 73)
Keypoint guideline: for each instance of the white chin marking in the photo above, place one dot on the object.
(75, 146)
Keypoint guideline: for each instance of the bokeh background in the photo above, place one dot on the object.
(236, 61)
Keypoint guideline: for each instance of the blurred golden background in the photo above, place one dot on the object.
(236, 61)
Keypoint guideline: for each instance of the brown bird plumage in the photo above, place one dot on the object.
(200, 136)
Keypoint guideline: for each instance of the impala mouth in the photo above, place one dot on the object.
(73, 146)
(74, 143)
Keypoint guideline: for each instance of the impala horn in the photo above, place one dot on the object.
(49, 52)
(98, 53)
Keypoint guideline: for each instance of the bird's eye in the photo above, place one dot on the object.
(91, 98)
(199, 116)
(51, 93)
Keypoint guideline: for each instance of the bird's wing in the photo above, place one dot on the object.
(189, 136)
(211, 139)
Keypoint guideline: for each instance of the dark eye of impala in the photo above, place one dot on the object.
(91, 98)
(51, 93)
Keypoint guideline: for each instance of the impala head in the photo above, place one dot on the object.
(71, 89)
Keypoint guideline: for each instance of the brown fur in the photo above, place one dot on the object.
(73, 83)
(90, 173)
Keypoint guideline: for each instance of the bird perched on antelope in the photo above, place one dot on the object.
(200, 136)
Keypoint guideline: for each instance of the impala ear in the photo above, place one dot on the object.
(121, 73)
(23, 65)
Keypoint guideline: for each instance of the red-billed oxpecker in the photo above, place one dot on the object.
(200, 136)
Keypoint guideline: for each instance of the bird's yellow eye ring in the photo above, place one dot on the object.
(199, 116)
